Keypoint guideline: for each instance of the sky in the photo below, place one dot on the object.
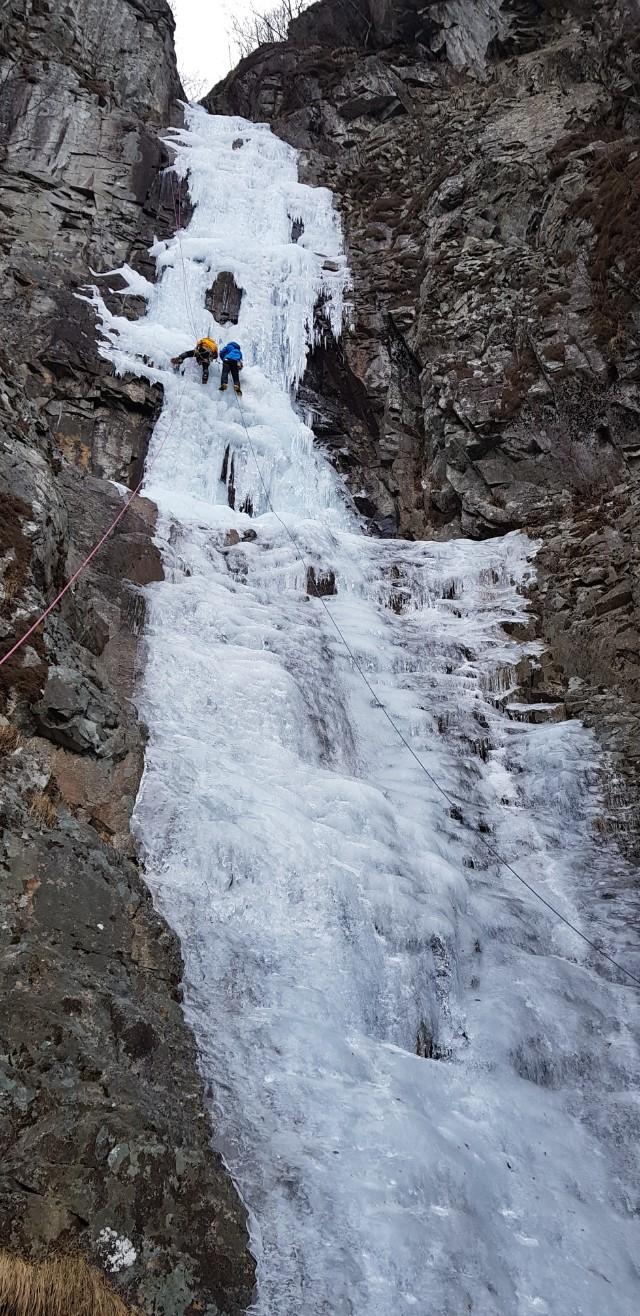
(203, 39)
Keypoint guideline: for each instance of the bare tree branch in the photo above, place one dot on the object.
(260, 29)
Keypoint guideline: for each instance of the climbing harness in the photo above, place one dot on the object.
(400, 734)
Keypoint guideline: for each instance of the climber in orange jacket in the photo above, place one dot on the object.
(205, 351)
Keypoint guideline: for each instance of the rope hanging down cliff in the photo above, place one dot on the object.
(97, 546)
(357, 666)
(360, 670)
(400, 734)
(177, 211)
(134, 494)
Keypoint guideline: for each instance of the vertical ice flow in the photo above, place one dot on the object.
(422, 1082)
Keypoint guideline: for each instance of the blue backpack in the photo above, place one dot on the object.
(232, 352)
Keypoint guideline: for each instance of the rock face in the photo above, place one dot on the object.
(224, 299)
(105, 1143)
(485, 155)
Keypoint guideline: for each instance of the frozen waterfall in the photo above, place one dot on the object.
(423, 1084)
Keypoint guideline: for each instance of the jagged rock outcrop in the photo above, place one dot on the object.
(485, 157)
(105, 1140)
(224, 299)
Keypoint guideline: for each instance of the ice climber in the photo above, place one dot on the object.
(205, 351)
(231, 357)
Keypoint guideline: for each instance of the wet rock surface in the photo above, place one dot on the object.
(105, 1140)
(485, 161)
(224, 299)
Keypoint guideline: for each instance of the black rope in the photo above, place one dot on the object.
(487, 844)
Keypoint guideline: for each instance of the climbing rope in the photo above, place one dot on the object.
(310, 578)
(401, 736)
(491, 849)
(177, 211)
(96, 547)
(109, 531)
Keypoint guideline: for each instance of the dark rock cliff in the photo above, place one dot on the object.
(103, 1130)
(485, 155)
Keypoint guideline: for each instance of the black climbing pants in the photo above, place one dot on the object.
(234, 368)
(203, 358)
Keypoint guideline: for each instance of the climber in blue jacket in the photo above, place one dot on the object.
(231, 357)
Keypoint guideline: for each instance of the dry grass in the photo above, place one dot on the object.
(12, 585)
(611, 203)
(25, 681)
(44, 811)
(9, 740)
(59, 1286)
(12, 541)
(518, 379)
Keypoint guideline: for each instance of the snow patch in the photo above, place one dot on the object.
(118, 1253)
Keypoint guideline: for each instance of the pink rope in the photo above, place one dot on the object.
(90, 556)
(96, 548)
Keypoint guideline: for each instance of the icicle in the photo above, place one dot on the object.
(400, 1040)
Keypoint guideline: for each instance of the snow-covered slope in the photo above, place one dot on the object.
(423, 1081)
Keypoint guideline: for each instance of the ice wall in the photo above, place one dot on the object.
(422, 1082)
